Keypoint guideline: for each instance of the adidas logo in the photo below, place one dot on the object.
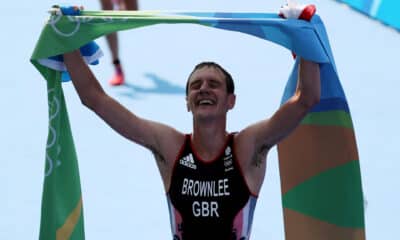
(188, 161)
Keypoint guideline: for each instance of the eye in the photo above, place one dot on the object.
(196, 84)
(214, 84)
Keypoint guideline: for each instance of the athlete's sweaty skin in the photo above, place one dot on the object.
(209, 97)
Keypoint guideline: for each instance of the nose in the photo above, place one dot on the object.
(204, 87)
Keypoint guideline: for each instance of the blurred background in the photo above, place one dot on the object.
(122, 192)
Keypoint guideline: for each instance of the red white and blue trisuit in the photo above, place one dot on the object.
(209, 200)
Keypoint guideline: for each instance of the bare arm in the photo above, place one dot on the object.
(159, 138)
(260, 137)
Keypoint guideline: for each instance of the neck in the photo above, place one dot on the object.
(208, 139)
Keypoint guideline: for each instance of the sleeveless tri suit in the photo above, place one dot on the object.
(209, 200)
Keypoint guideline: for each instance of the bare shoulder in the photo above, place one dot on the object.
(251, 156)
(166, 150)
(244, 141)
(252, 138)
(173, 144)
(168, 142)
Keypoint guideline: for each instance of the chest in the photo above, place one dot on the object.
(208, 189)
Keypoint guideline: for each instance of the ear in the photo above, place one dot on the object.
(187, 104)
(231, 101)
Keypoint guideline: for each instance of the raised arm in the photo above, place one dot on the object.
(260, 137)
(290, 114)
(162, 140)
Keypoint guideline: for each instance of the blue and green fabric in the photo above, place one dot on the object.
(319, 168)
(385, 11)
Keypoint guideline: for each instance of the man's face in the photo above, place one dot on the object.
(207, 93)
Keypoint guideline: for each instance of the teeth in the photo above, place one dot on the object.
(205, 101)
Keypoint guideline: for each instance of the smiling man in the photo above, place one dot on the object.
(211, 177)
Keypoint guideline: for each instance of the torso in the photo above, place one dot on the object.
(209, 200)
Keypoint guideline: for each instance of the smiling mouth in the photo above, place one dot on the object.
(205, 102)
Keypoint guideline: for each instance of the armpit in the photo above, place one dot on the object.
(260, 155)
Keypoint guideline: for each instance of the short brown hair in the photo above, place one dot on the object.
(230, 85)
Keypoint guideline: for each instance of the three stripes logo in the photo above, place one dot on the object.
(188, 161)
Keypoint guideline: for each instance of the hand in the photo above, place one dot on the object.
(68, 10)
(292, 10)
(88, 49)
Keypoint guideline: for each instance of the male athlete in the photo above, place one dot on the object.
(212, 178)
